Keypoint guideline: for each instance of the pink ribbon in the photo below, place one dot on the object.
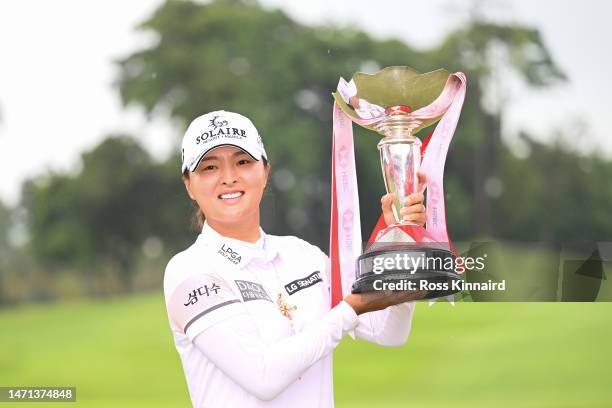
(345, 226)
(449, 103)
(345, 237)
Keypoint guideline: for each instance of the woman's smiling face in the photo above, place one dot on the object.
(228, 185)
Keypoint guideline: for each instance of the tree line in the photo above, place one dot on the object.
(112, 226)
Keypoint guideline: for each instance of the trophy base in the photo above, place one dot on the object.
(407, 258)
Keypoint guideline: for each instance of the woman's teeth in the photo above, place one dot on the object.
(231, 195)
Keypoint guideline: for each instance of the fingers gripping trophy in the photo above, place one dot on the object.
(397, 103)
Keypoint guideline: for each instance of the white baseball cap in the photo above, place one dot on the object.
(216, 129)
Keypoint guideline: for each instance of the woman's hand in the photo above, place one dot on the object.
(381, 299)
(413, 209)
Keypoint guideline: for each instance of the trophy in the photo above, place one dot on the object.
(396, 102)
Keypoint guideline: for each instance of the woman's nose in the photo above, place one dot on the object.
(229, 175)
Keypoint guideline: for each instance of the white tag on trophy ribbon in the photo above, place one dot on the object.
(345, 225)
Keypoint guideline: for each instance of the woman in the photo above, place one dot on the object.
(250, 312)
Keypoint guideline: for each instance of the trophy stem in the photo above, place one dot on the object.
(400, 157)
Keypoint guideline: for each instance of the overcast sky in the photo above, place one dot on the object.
(56, 70)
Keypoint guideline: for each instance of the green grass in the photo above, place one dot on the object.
(119, 353)
(486, 354)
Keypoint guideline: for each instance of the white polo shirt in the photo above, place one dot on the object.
(237, 347)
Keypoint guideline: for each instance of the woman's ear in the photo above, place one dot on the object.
(187, 183)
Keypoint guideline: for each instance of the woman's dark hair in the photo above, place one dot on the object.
(198, 217)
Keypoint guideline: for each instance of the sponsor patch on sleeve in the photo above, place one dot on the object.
(303, 283)
(252, 291)
(198, 297)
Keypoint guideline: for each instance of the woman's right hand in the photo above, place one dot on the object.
(381, 299)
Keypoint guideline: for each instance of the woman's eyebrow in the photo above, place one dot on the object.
(236, 154)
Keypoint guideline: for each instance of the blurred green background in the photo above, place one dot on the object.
(80, 300)
(120, 353)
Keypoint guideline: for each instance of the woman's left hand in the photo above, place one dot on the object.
(413, 210)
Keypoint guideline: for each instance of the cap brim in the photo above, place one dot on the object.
(197, 162)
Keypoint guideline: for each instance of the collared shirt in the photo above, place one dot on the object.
(253, 325)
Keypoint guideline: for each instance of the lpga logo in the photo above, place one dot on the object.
(229, 254)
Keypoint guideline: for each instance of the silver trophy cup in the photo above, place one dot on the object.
(424, 260)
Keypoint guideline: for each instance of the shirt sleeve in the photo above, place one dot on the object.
(388, 327)
(266, 369)
(201, 301)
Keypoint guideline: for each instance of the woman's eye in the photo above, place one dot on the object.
(208, 168)
(244, 161)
